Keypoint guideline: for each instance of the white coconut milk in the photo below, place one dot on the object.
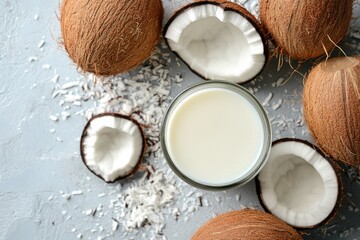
(214, 136)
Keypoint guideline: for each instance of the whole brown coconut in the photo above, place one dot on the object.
(332, 108)
(305, 29)
(246, 225)
(107, 37)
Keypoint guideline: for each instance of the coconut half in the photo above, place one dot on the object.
(298, 184)
(112, 146)
(218, 40)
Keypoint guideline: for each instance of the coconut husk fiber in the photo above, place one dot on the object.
(110, 36)
(305, 29)
(332, 108)
(246, 225)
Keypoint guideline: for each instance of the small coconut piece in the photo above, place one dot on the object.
(246, 225)
(218, 40)
(332, 108)
(298, 184)
(305, 29)
(112, 146)
(110, 37)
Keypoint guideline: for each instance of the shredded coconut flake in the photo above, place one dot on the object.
(277, 105)
(76, 192)
(267, 100)
(114, 225)
(145, 200)
(53, 118)
(33, 59)
(70, 85)
(41, 44)
(46, 66)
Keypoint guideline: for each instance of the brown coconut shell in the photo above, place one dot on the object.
(332, 108)
(246, 225)
(110, 37)
(305, 29)
(227, 6)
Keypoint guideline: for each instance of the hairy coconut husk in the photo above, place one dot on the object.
(246, 225)
(332, 108)
(110, 37)
(305, 29)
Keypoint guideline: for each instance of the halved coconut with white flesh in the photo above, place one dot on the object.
(298, 185)
(218, 40)
(112, 146)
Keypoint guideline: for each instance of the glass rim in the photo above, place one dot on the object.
(265, 151)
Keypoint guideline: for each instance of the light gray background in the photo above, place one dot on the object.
(35, 167)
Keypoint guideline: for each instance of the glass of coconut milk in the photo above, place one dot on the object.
(216, 136)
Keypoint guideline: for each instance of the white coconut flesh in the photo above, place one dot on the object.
(217, 44)
(112, 146)
(298, 184)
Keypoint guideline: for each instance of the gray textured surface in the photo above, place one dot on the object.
(35, 167)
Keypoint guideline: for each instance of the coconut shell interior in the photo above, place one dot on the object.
(85, 135)
(227, 7)
(335, 167)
